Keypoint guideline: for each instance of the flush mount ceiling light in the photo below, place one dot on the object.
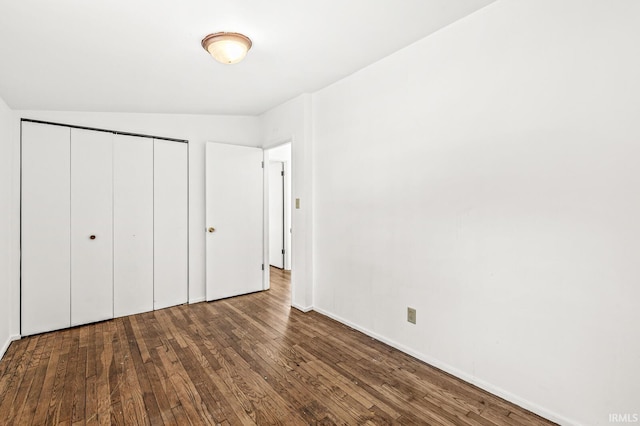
(228, 48)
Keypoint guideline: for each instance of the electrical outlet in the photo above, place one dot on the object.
(411, 315)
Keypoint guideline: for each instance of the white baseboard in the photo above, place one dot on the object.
(4, 348)
(495, 390)
(300, 308)
(197, 300)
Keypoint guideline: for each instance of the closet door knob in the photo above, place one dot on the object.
(92, 237)
(212, 229)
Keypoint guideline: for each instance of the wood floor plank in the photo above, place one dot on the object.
(104, 355)
(37, 385)
(186, 394)
(146, 407)
(47, 390)
(163, 376)
(15, 380)
(80, 387)
(55, 395)
(240, 361)
(15, 350)
(334, 399)
(31, 384)
(91, 402)
(159, 394)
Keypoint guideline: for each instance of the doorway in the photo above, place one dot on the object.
(239, 236)
(277, 226)
(279, 190)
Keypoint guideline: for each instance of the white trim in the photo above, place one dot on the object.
(287, 215)
(305, 310)
(266, 276)
(4, 348)
(197, 300)
(495, 390)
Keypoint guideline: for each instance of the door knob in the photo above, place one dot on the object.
(92, 237)
(212, 229)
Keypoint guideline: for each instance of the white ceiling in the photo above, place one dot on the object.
(145, 55)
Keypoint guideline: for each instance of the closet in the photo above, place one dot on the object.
(103, 225)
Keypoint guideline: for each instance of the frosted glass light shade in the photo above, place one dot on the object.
(228, 48)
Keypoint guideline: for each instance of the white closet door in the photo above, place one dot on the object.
(45, 228)
(170, 223)
(91, 226)
(132, 225)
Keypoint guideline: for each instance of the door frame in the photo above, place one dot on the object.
(281, 184)
(288, 211)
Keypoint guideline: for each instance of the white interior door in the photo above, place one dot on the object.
(91, 226)
(46, 244)
(171, 244)
(234, 214)
(276, 214)
(132, 225)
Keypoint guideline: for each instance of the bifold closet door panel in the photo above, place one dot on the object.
(45, 244)
(91, 226)
(170, 223)
(132, 225)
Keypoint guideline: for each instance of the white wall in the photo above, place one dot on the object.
(291, 122)
(488, 177)
(7, 264)
(197, 129)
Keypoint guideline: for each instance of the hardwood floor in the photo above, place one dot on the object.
(245, 360)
